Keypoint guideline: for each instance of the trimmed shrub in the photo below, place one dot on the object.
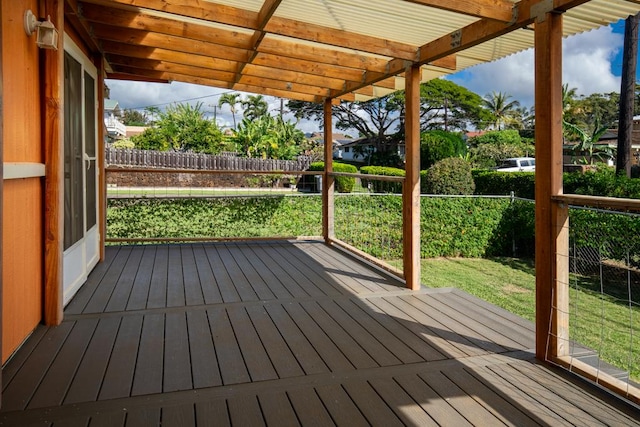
(436, 145)
(344, 184)
(449, 176)
(495, 183)
(382, 186)
(497, 137)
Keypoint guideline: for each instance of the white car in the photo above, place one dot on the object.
(517, 164)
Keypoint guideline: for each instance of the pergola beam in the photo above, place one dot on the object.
(499, 10)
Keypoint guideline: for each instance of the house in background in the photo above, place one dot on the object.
(112, 114)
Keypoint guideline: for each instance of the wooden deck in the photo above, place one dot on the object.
(283, 333)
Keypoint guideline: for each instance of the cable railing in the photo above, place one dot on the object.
(165, 205)
(600, 313)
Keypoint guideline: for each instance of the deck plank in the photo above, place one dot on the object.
(100, 298)
(254, 278)
(80, 300)
(300, 346)
(342, 409)
(277, 409)
(347, 345)
(159, 277)
(401, 403)
(279, 353)
(178, 416)
(111, 419)
(272, 280)
(212, 414)
(88, 380)
(372, 406)
(177, 361)
(19, 391)
(232, 365)
(148, 373)
(204, 362)
(118, 378)
(208, 284)
(175, 278)
(431, 402)
(143, 417)
(330, 354)
(122, 290)
(309, 408)
(192, 283)
(142, 283)
(245, 411)
(236, 275)
(289, 277)
(255, 356)
(56, 382)
(226, 286)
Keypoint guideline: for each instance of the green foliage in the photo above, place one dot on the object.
(268, 138)
(123, 143)
(255, 107)
(449, 176)
(382, 186)
(602, 182)
(503, 183)
(436, 145)
(502, 110)
(182, 128)
(231, 99)
(489, 149)
(134, 118)
(219, 217)
(344, 184)
(497, 137)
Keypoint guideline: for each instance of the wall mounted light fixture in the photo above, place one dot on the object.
(47, 35)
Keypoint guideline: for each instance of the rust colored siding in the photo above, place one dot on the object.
(22, 198)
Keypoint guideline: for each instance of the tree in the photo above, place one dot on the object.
(182, 128)
(232, 99)
(500, 107)
(134, 118)
(586, 142)
(627, 92)
(267, 137)
(254, 106)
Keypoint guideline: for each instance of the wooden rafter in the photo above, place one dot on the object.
(500, 10)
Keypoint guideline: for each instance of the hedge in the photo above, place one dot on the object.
(495, 183)
(344, 184)
(382, 186)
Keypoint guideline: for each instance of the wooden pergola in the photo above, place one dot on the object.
(327, 51)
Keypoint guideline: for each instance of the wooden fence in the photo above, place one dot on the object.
(179, 160)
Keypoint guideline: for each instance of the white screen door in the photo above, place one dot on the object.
(81, 234)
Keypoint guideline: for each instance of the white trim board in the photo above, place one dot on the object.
(17, 170)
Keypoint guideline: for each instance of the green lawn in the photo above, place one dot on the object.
(600, 323)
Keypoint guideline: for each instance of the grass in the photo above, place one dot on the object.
(598, 321)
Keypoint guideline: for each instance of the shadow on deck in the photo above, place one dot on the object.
(283, 333)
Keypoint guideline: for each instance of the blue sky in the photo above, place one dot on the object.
(592, 63)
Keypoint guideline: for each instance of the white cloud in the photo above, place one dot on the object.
(586, 66)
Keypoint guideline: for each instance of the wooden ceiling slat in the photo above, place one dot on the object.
(163, 41)
(292, 76)
(284, 86)
(169, 67)
(339, 38)
(144, 21)
(280, 62)
(169, 56)
(275, 92)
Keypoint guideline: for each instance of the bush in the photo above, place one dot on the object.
(436, 145)
(497, 137)
(344, 184)
(495, 183)
(602, 182)
(382, 186)
(449, 176)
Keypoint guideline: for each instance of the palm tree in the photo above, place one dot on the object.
(254, 106)
(232, 99)
(568, 96)
(497, 103)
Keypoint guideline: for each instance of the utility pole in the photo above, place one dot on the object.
(627, 95)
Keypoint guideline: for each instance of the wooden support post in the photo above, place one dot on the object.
(100, 163)
(551, 218)
(53, 134)
(411, 188)
(1, 188)
(327, 179)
